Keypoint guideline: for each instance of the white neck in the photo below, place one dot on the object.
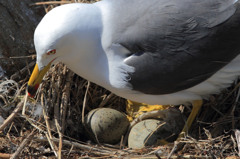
(86, 56)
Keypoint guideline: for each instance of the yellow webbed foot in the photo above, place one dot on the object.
(134, 109)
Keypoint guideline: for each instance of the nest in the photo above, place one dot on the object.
(51, 124)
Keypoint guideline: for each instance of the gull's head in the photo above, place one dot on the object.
(66, 33)
(52, 42)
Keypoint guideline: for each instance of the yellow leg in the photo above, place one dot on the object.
(196, 107)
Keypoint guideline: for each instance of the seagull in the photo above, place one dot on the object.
(155, 51)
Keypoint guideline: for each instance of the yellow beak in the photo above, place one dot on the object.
(36, 79)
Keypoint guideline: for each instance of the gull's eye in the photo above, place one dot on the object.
(51, 52)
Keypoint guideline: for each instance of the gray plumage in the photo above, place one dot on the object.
(175, 44)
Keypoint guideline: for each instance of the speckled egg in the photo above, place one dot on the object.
(157, 130)
(106, 125)
(150, 132)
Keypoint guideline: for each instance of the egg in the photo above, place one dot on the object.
(106, 125)
(157, 131)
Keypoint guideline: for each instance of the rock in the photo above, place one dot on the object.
(18, 20)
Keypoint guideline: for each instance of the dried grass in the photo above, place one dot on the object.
(58, 131)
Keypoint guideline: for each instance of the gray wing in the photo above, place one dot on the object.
(175, 44)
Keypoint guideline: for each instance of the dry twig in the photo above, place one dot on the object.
(12, 116)
(23, 144)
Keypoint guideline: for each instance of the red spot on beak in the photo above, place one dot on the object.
(30, 95)
(32, 90)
